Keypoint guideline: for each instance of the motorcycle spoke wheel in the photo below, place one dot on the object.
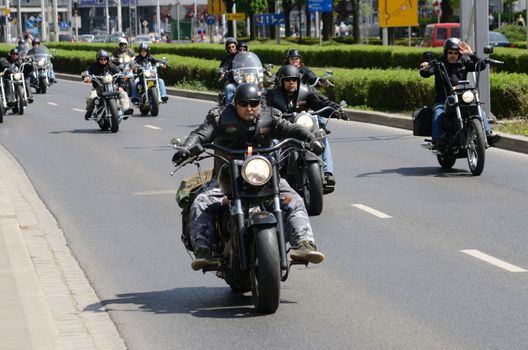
(114, 122)
(154, 102)
(476, 147)
(313, 189)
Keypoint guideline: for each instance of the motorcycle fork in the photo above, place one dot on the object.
(238, 215)
(277, 211)
(4, 102)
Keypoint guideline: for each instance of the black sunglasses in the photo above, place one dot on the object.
(289, 79)
(246, 103)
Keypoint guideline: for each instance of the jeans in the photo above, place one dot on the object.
(438, 115)
(328, 166)
(161, 85)
(229, 93)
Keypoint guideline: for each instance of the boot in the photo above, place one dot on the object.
(306, 251)
(203, 258)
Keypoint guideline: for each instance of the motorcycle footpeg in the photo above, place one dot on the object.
(327, 189)
(427, 145)
(298, 262)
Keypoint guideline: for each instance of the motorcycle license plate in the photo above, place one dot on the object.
(150, 83)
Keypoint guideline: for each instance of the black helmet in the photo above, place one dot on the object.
(230, 41)
(288, 71)
(451, 44)
(242, 45)
(13, 51)
(35, 41)
(101, 54)
(21, 42)
(246, 92)
(144, 46)
(293, 53)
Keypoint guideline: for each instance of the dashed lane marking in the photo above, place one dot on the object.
(493, 261)
(79, 110)
(372, 211)
(53, 103)
(152, 127)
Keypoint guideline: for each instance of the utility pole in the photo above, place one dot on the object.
(7, 24)
(107, 17)
(158, 19)
(55, 21)
(43, 29)
(119, 19)
(19, 20)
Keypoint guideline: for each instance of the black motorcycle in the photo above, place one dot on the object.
(17, 87)
(251, 245)
(464, 135)
(39, 78)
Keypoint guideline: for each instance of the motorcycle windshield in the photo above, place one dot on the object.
(125, 58)
(247, 68)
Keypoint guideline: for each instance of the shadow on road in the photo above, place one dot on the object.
(208, 302)
(82, 131)
(420, 171)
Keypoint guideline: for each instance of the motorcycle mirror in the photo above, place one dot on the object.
(268, 66)
(175, 142)
(488, 49)
(428, 55)
(329, 72)
(343, 104)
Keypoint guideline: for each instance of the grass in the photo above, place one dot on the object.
(513, 126)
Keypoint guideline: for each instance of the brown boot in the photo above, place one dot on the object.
(306, 251)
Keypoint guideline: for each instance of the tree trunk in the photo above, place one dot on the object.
(229, 8)
(287, 7)
(356, 20)
(308, 22)
(328, 25)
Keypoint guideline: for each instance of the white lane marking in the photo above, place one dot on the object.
(154, 193)
(79, 110)
(493, 261)
(53, 103)
(152, 127)
(372, 211)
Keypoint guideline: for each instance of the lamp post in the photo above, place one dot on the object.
(158, 18)
(178, 19)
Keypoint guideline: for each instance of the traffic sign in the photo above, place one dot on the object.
(238, 16)
(319, 5)
(267, 19)
(398, 13)
(210, 20)
(215, 7)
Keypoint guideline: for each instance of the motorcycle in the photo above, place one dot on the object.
(107, 111)
(148, 88)
(464, 135)
(303, 169)
(126, 64)
(246, 68)
(17, 84)
(39, 78)
(250, 236)
(323, 81)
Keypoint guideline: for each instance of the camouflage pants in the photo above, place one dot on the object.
(209, 201)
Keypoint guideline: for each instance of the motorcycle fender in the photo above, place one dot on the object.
(262, 218)
(311, 157)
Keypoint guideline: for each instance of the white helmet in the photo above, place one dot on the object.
(123, 41)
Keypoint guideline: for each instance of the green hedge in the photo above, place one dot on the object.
(396, 90)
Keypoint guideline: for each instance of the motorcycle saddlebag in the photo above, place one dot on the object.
(422, 121)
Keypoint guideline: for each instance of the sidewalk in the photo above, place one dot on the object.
(43, 291)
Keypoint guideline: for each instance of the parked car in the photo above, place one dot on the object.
(437, 33)
(88, 38)
(103, 38)
(145, 38)
(499, 39)
(65, 37)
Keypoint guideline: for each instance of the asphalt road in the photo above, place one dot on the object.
(417, 257)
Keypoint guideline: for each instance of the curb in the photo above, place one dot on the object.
(515, 143)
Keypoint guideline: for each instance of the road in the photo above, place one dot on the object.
(417, 257)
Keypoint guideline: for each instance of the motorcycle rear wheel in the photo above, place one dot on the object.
(154, 102)
(447, 160)
(313, 189)
(265, 273)
(114, 121)
(476, 147)
(42, 85)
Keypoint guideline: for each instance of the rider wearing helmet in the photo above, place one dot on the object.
(294, 58)
(102, 66)
(38, 49)
(291, 96)
(225, 68)
(142, 59)
(246, 123)
(14, 58)
(123, 49)
(22, 47)
(459, 59)
(242, 47)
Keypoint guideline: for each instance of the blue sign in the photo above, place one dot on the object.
(210, 20)
(269, 19)
(29, 24)
(319, 5)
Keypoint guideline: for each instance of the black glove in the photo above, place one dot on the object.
(180, 155)
(316, 147)
(342, 115)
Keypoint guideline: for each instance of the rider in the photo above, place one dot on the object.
(142, 59)
(41, 49)
(14, 59)
(242, 47)
(294, 58)
(459, 59)
(123, 49)
(292, 96)
(22, 47)
(101, 66)
(225, 68)
(246, 123)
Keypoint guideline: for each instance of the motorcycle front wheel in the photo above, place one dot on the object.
(446, 161)
(265, 273)
(2, 111)
(114, 121)
(476, 147)
(143, 105)
(154, 102)
(20, 99)
(313, 189)
(42, 85)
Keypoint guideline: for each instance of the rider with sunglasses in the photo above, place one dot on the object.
(245, 123)
(102, 66)
(14, 58)
(459, 59)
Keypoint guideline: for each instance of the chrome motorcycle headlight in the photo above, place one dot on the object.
(468, 96)
(107, 79)
(17, 76)
(256, 170)
(250, 78)
(147, 73)
(41, 62)
(306, 120)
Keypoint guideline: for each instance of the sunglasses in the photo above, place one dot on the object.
(103, 59)
(242, 50)
(453, 52)
(289, 79)
(250, 103)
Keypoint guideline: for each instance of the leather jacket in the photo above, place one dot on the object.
(99, 69)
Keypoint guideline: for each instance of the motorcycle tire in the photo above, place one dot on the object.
(238, 280)
(313, 189)
(265, 272)
(104, 125)
(154, 102)
(446, 161)
(476, 147)
(43, 87)
(2, 112)
(20, 99)
(114, 119)
(143, 106)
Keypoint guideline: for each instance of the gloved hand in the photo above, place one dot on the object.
(342, 115)
(316, 147)
(180, 155)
